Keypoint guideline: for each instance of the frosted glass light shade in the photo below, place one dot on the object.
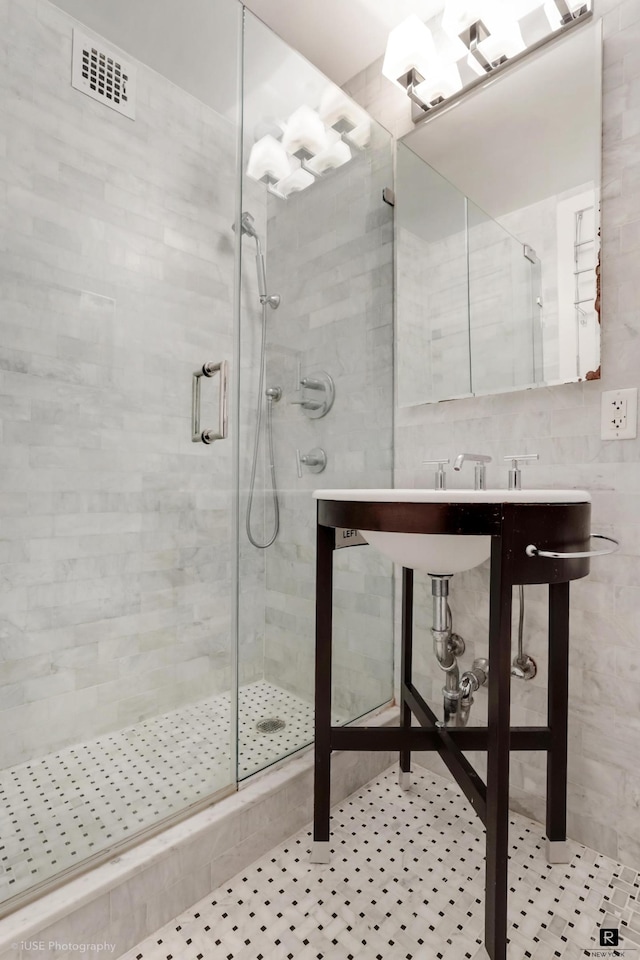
(553, 15)
(336, 107)
(410, 46)
(459, 15)
(451, 49)
(442, 83)
(521, 8)
(268, 160)
(304, 131)
(508, 42)
(334, 155)
(297, 180)
(360, 136)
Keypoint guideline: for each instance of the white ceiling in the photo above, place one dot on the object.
(341, 37)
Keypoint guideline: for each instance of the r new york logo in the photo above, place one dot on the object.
(609, 938)
(610, 945)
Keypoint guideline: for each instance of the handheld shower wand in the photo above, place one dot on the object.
(272, 394)
(248, 229)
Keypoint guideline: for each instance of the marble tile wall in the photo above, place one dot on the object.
(562, 424)
(330, 258)
(432, 311)
(117, 282)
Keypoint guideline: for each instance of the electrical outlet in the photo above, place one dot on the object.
(619, 414)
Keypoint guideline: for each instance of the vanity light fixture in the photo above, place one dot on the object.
(488, 30)
(471, 40)
(339, 112)
(298, 179)
(410, 48)
(312, 143)
(335, 154)
(305, 134)
(268, 161)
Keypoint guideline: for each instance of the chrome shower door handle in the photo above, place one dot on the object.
(209, 370)
(532, 550)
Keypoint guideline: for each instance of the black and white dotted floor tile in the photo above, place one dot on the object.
(259, 744)
(405, 882)
(57, 810)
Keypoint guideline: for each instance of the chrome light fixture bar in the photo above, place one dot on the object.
(485, 35)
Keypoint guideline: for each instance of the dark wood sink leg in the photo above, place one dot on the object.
(557, 847)
(320, 852)
(497, 822)
(406, 656)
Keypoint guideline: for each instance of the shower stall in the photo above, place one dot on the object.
(156, 598)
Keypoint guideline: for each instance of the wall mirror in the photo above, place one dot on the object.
(497, 232)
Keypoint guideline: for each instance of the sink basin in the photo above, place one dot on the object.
(442, 554)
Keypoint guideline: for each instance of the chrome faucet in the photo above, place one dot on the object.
(515, 475)
(480, 473)
(440, 479)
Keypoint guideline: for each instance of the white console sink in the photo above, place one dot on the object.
(441, 554)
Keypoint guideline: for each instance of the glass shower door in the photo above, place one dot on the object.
(117, 196)
(317, 317)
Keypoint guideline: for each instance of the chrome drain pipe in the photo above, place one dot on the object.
(458, 690)
(470, 681)
(444, 648)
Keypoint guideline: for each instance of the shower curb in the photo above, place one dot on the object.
(123, 901)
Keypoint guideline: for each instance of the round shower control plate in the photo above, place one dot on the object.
(321, 395)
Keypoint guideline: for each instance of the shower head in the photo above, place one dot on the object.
(246, 225)
(247, 228)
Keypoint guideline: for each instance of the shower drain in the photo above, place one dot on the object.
(271, 725)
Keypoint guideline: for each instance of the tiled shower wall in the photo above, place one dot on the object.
(117, 283)
(330, 258)
(562, 424)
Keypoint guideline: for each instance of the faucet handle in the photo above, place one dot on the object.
(315, 461)
(515, 475)
(440, 479)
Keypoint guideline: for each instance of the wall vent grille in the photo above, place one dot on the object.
(103, 75)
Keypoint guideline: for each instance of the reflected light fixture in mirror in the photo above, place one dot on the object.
(469, 41)
(309, 144)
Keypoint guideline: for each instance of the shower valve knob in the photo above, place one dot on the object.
(316, 395)
(315, 461)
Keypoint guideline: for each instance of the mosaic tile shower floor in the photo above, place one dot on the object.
(405, 883)
(57, 810)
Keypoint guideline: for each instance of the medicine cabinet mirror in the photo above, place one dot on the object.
(497, 232)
